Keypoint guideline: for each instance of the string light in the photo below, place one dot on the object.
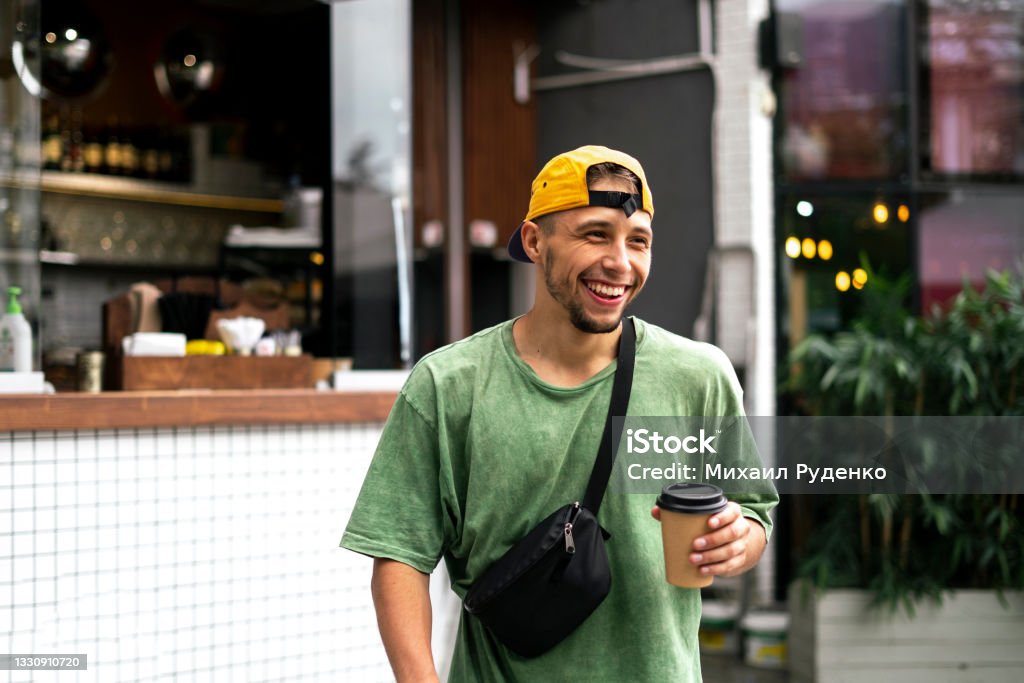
(880, 212)
(824, 250)
(792, 247)
(842, 281)
(808, 248)
(860, 278)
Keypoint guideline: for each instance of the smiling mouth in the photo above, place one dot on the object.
(606, 292)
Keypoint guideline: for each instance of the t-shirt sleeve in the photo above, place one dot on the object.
(758, 510)
(756, 498)
(399, 511)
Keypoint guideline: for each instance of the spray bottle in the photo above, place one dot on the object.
(15, 336)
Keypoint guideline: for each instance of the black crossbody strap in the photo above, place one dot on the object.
(620, 402)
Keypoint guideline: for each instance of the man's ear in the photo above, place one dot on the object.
(532, 235)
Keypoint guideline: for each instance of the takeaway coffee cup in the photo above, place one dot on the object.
(685, 510)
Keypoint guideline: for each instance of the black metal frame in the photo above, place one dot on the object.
(917, 181)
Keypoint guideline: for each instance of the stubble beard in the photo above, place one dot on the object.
(577, 316)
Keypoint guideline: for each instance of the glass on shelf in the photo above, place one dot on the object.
(974, 124)
(844, 103)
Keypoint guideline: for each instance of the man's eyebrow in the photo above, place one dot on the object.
(601, 223)
(593, 223)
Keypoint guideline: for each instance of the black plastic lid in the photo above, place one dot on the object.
(692, 499)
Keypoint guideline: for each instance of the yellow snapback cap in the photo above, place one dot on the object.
(562, 185)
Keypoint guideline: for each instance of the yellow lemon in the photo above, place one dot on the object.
(204, 347)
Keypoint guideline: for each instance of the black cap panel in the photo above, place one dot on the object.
(629, 203)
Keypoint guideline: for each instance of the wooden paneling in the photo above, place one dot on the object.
(142, 373)
(835, 636)
(430, 136)
(126, 410)
(499, 134)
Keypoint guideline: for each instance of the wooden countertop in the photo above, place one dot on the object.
(131, 409)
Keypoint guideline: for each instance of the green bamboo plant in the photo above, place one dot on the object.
(961, 359)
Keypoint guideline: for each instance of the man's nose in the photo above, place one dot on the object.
(616, 257)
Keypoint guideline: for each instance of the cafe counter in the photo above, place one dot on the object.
(191, 408)
(192, 533)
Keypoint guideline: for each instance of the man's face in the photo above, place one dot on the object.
(595, 262)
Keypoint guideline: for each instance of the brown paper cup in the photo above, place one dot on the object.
(678, 531)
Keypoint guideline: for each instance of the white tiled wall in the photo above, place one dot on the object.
(105, 230)
(743, 200)
(71, 306)
(147, 240)
(744, 215)
(191, 554)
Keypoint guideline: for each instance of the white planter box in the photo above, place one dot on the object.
(970, 638)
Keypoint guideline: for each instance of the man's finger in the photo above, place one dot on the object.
(737, 529)
(726, 516)
(720, 554)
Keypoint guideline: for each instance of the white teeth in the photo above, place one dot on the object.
(605, 290)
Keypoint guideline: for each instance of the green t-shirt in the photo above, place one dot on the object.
(478, 450)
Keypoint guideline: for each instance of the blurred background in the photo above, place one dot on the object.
(839, 192)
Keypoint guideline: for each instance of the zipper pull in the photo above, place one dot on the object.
(570, 544)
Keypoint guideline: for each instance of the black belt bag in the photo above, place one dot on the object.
(548, 583)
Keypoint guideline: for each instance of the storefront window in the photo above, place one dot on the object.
(829, 247)
(843, 89)
(371, 122)
(963, 235)
(974, 76)
(20, 161)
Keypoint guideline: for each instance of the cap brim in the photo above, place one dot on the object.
(515, 246)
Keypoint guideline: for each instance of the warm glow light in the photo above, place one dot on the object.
(190, 60)
(860, 278)
(71, 34)
(804, 208)
(880, 213)
(842, 281)
(825, 250)
(808, 248)
(51, 37)
(792, 247)
(903, 213)
(317, 258)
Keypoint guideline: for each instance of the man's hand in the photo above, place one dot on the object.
(734, 545)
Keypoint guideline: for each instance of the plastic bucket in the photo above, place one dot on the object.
(718, 629)
(764, 638)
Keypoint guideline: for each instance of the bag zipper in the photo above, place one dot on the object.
(570, 544)
(481, 603)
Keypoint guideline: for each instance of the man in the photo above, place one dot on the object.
(493, 433)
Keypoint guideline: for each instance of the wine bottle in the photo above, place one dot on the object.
(53, 145)
(149, 155)
(92, 151)
(129, 154)
(113, 162)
